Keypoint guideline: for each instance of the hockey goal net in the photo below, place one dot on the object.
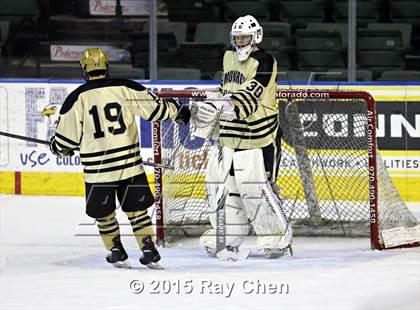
(330, 177)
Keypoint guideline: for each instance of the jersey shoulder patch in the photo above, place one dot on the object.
(265, 66)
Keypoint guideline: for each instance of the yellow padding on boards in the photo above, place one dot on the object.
(408, 187)
(72, 184)
(49, 183)
(342, 186)
(7, 182)
(52, 183)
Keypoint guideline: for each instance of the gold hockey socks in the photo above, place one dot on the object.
(108, 229)
(141, 224)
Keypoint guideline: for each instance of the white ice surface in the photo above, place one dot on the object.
(45, 266)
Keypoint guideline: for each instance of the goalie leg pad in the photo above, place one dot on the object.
(262, 205)
(218, 168)
(237, 224)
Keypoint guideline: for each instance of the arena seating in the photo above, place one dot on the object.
(398, 75)
(319, 50)
(303, 35)
(383, 48)
(179, 74)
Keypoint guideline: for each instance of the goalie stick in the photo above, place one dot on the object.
(45, 142)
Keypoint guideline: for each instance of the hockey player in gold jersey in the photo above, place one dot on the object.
(99, 119)
(241, 169)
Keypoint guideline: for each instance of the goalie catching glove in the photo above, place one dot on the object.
(207, 112)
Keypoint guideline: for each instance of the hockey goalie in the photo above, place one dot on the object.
(244, 115)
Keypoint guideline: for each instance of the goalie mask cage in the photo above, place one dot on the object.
(330, 177)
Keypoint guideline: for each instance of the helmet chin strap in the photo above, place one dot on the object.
(244, 52)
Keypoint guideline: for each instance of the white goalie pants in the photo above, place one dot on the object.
(250, 201)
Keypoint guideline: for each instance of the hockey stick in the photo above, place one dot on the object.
(221, 222)
(29, 139)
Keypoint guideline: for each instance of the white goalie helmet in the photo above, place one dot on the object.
(245, 34)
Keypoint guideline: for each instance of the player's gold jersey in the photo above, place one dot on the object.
(252, 84)
(99, 117)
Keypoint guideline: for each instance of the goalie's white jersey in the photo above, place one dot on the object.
(99, 117)
(252, 84)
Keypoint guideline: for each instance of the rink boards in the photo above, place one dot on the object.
(26, 105)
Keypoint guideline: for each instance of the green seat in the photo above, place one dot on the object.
(179, 29)
(341, 75)
(126, 71)
(21, 8)
(206, 52)
(214, 33)
(399, 75)
(379, 39)
(405, 30)
(366, 12)
(179, 74)
(193, 11)
(319, 50)
(403, 11)
(207, 57)
(167, 49)
(235, 9)
(272, 29)
(296, 76)
(342, 28)
(277, 41)
(408, 12)
(299, 13)
(381, 50)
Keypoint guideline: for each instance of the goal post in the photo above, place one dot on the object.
(331, 179)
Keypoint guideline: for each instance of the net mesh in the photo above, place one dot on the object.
(322, 175)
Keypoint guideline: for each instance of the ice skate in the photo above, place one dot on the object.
(118, 256)
(151, 256)
(208, 241)
(277, 253)
(210, 252)
(233, 254)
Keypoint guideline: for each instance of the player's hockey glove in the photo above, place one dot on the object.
(56, 150)
(184, 114)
